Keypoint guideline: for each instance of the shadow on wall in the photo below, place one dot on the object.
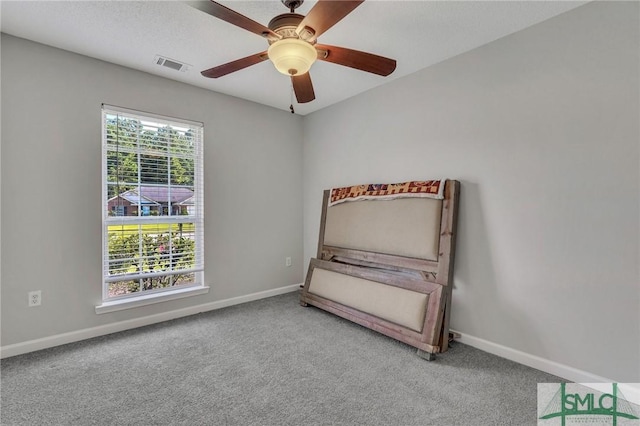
(480, 309)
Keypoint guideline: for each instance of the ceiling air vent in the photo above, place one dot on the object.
(171, 63)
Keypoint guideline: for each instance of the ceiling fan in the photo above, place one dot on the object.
(293, 46)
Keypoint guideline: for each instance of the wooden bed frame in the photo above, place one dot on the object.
(402, 296)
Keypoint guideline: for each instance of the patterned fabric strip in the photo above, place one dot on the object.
(388, 191)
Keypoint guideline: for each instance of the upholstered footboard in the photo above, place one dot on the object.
(401, 307)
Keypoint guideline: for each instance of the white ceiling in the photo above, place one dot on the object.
(415, 33)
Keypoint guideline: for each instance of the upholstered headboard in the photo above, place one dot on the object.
(407, 227)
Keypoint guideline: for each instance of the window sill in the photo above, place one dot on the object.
(136, 302)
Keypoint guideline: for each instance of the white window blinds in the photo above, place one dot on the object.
(152, 203)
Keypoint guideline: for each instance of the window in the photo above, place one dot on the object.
(152, 204)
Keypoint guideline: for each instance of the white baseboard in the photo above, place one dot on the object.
(542, 364)
(87, 333)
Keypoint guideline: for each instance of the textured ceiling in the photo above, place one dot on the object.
(415, 33)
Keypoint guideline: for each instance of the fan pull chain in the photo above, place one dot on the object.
(291, 106)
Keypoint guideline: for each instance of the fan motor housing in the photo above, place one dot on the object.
(285, 25)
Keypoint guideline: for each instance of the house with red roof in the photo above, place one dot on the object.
(152, 200)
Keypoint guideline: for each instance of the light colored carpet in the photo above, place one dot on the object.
(269, 362)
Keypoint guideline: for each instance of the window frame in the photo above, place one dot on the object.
(195, 215)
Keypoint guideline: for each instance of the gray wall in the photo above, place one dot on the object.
(542, 129)
(51, 187)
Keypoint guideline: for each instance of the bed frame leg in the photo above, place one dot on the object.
(429, 356)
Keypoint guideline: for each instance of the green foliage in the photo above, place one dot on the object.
(155, 254)
(138, 154)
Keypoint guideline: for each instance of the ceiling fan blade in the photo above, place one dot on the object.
(303, 88)
(233, 17)
(362, 61)
(324, 15)
(236, 65)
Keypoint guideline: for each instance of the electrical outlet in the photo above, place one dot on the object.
(35, 298)
(287, 261)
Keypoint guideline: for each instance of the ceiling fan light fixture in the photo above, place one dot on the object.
(292, 56)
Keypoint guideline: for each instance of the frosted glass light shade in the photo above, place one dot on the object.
(292, 56)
